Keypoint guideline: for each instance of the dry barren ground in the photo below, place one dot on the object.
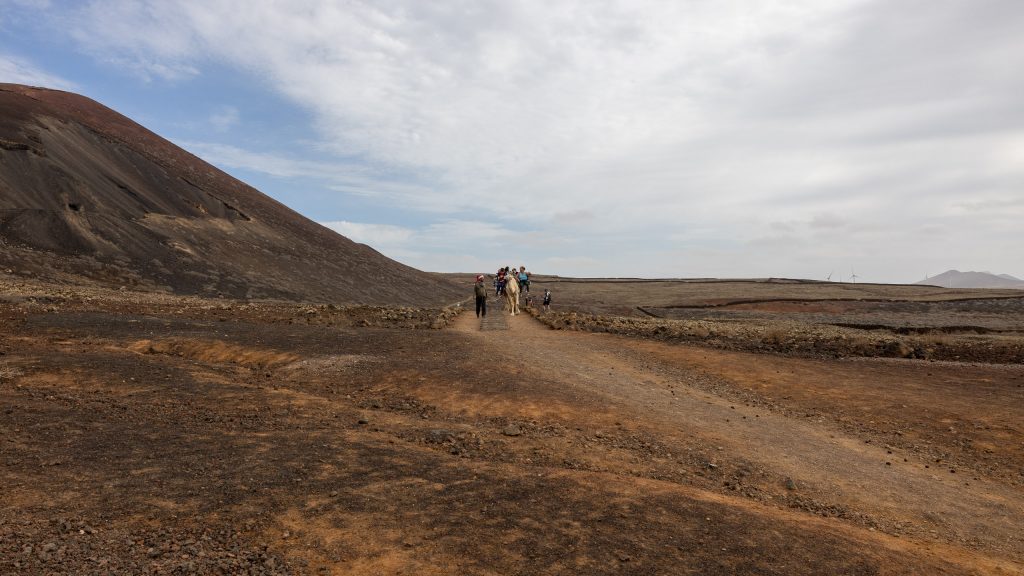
(799, 317)
(176, 436)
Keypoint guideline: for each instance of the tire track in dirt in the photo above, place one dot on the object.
(827, 462)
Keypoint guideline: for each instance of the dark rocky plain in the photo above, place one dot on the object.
(152, 433)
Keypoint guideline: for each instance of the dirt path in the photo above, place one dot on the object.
(873, 485)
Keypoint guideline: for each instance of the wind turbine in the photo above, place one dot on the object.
(829, 279)
(853, 277)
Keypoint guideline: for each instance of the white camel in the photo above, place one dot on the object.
(512, 294)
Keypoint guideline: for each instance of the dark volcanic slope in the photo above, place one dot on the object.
(88, 195)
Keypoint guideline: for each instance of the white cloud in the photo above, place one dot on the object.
(642, 121)
(446, 233)
(224, 119)
(577, 262)
(447, 245)
(348, 177)
(381, 236)
(152, 69)
(16, 70)
(154, 40)
(467, 230)
(266, 163)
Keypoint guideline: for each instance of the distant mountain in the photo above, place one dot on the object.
(88, 195)
(957, 279)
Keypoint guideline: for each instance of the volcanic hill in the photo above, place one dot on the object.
(958, 279)
(88, 195)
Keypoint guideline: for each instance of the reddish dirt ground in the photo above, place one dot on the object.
(174, 440)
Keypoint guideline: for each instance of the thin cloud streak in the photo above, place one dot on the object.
(446, 241)
(17, 70)
(350, 178)
(225, 119)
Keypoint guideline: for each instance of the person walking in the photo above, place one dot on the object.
(547, 299)
(481, 296)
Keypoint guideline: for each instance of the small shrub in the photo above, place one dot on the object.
(774, 337)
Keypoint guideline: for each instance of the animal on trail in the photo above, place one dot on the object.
(512, 294)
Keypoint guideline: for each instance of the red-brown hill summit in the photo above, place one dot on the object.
(87, 195)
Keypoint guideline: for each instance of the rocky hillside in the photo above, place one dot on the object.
(89, 196)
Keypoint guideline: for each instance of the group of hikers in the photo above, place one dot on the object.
(501, 280)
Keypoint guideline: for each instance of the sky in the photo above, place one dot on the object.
(598, 138)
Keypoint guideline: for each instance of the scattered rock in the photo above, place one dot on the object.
(512, 430)
(439, 436)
